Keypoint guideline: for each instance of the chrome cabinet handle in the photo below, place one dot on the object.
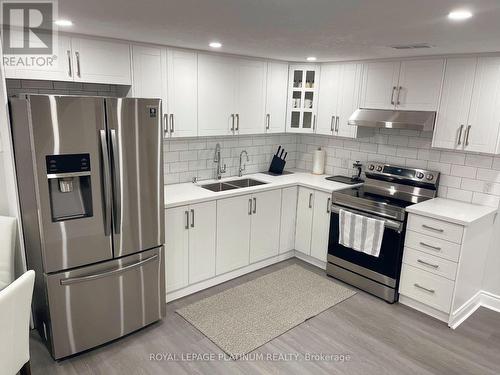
(250, 206)
(81, 279)
(192, 218)
(430, 246)
(187, 219)
(331, 123)
(268, 121)
(254, 205)
(78, 72)
(467, 135)
(237, 122)
(70, 71)
(165, 124)
(107, 183)
(310, 200)
(399, 92)
(432, 228)
(328, 202)
(171, 123)
(392, 94)
(423, 288)
(436, 266)
(459, 142)
(232, 122)
(117, 181)
(337, 124)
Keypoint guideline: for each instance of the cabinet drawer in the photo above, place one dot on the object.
(436, 228)
(429, 289)
(430, 263)
(432, 245)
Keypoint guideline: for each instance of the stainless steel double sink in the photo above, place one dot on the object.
(232, 184)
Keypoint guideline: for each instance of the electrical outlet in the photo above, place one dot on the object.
(487, 187)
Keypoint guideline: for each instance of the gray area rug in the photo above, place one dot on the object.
(241, 319)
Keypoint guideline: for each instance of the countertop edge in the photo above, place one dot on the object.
(449, 219)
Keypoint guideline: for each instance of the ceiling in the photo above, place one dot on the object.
(332, 30)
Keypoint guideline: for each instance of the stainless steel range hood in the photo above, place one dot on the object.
(393, 119)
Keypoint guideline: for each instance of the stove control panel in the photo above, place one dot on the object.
(402, 173)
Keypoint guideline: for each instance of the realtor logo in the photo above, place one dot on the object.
(27, 27)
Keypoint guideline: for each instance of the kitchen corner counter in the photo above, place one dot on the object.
(190, 193)
(451, 210)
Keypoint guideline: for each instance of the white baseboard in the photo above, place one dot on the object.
(466, 310)
(423, 308)
(490, 301)
(179, 293)
(310, 259)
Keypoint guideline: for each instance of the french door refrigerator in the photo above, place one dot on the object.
(90, 182)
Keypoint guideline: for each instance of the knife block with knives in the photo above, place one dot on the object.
(278, 162)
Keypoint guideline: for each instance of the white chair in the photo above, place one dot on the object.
(15, 308)
(7, 246)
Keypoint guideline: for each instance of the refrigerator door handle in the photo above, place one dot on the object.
(106, 183)
(116, 182)
(81, 279)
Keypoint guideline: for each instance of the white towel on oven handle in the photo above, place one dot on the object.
(360, 233)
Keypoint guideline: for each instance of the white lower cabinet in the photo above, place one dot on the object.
(288, 217)
(313, 223)
(265, 225)
(233, 233)
(190, 244)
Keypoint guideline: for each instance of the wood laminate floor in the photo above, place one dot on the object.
(378, 338)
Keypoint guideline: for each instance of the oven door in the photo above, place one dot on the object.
(383, 269)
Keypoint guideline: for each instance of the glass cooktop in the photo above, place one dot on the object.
(375, 195)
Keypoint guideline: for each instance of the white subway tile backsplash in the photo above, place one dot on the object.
(459, 195)
(463, 171)
(452, 157)
(486, 199)
(479, 161)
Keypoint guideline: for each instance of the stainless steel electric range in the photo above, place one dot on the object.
(387, 191)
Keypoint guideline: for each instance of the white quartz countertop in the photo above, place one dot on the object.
(450, 210)
(189, 193)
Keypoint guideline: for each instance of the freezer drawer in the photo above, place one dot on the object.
(93, 305)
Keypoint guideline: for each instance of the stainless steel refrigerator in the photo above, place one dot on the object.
(90, 181)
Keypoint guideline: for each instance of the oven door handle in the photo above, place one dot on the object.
(391, 224)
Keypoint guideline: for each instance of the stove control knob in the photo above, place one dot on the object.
(420, 175)
(371, 167)
(430, 177)
(379, 168)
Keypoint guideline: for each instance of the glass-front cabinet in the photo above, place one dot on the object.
(302, 98)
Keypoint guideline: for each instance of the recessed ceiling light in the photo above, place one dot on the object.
(311, 58)
(65, 23)
(215, 44)
(459, 15)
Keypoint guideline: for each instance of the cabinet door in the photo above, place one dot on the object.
(265, 225)
(276, 95)
(233, 233)
(250, 96)
(348, 99)
(59, 70)
(303, 226)
(321, 225)
(202, 229)
(328, 98)
(177, 247)
(149, 73)
(380, 80)
(216, 94)
(182, 67)
(420, 85)
(455, 103)
(288, 218)
(483, 125)
(101, 61)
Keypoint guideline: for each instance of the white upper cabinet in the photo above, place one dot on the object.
(60, 68)
(149, 72)
(338, 98)
(250, 96)
(276, 97)
(101, 61)
(455, 103)
(303, 83)
(407, 85)
(182, 98)
(469, 113)
(380, 81)
(216, 95)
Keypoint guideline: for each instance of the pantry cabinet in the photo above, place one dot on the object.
(406, 85)
(276, 97)
(469, 116)
(338, 99)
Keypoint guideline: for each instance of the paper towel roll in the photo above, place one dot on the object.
(319, 158)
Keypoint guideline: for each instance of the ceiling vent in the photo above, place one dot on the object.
(412, 46)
